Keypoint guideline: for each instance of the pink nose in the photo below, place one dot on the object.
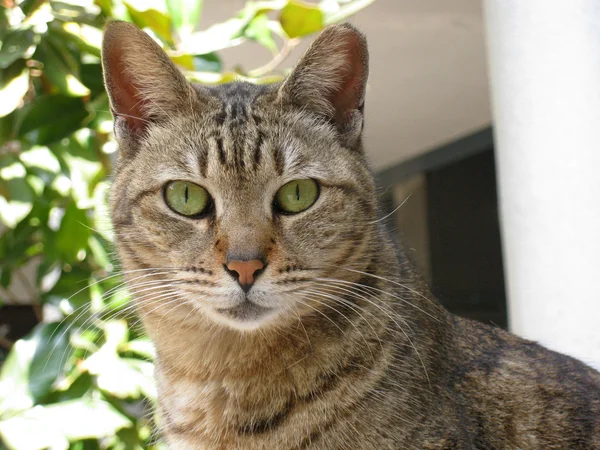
(245, 271)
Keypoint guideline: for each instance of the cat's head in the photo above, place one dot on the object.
(242, 199)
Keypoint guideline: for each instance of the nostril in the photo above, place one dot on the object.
(233, 273)
(259, 271)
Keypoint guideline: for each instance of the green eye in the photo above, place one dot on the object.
(297, 196)
(186, 198)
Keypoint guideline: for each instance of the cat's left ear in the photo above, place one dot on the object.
(331, 78)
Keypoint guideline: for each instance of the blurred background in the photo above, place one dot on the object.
(76, 367)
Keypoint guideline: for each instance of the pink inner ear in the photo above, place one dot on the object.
(127, 100)
(346, 98)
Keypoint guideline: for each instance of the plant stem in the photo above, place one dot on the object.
(286, 48)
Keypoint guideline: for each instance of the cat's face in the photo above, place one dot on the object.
(242, 198)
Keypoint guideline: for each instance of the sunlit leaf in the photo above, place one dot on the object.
(29, 6)
(14, 84)
(121, 377)
(217, 37)
(80, 158)
(157, 21)
(185, 15)
(58, 423)
(299, 18)
(41, 161)
(42, 124)
(99, 252)
(60, 69)
(16, 196)
(80, 11)
(106, 6)
(17, 44)
(14, 379)
(142, 347)
(16, 433)
(259, 31)
(87, 38)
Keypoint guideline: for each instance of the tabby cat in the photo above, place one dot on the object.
(282, 313)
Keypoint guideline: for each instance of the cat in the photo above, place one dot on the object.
(282, 313)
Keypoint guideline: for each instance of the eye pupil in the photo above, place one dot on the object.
(187, 195)
(297, 192)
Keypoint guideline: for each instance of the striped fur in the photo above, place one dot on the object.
(344, 346)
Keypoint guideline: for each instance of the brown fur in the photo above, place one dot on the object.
(342, 345)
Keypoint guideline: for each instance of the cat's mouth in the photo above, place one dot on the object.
(246, 315)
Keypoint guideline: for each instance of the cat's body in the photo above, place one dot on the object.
(337, 344)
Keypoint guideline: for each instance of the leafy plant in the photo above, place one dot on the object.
(84, 380)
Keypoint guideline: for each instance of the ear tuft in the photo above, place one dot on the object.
(331, 77)
(142, 82)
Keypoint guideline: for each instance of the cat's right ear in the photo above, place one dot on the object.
(143, 84)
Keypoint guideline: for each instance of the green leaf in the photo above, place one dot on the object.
(91, 76)
(298, 18)
(80, 386)
(158, 22)
(42, 124)
(86, 38)
(51, 353)
(60, 68)
(58, 423)
(14, 84)
(259, 31)
(79, 11)
(74, 232)
(5, 277)
(185, 15)
(69, 290)
(8, 129)
(18, 44)
(14, 378)
(16, 433)
(78, 155)
(16, 196)
(41, 161)
(142, 347)
(99, 252)
(120, 377)
(218, 37)
(209, 62)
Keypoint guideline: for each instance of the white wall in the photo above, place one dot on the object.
(544, 61)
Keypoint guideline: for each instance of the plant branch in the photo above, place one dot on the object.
(285, 51)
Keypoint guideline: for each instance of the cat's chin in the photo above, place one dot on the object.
(246, 316)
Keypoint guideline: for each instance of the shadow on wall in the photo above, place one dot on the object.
(450, 228)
